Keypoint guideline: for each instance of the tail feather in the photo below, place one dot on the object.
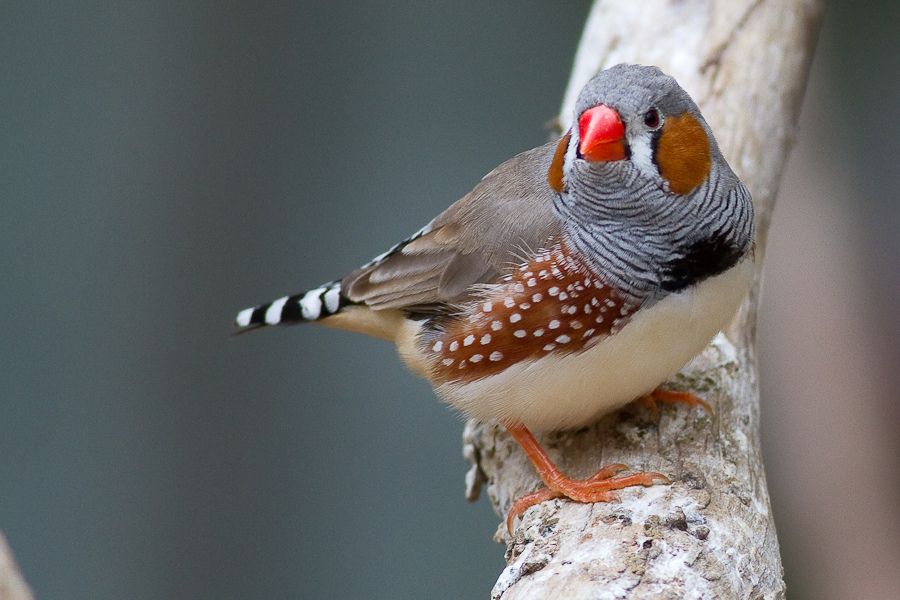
(321, 302)
(324, 301)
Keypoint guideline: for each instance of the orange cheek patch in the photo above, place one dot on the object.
(683, 154)
(555, 172)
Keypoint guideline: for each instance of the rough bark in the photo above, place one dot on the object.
(711, 533)
(12, 586)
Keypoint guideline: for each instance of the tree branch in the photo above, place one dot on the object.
(710, 534)
(12, 586)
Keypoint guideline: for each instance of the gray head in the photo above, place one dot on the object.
(643, 188)
(632, 90)
(639, 114)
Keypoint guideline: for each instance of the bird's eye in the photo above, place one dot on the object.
(651, 118)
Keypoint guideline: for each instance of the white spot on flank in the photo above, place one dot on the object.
(495, 356)
(486, 307)
(549, 347)
(519, 333)
(554, 324)
(563, 339)
(572, 310)
(508, 302)
(587, 309)
(273, 314)
(543, 274)
(532, 282)
(563, 296)
(519, 288)
(486, 339)
(496, 325)
(447, 361)
(311, 304)
(575, 325)
(599, 319)
(588, 333)
(553, 291)
(468, 341)
(655, 344)
(476, 358)
(454, 346)
(515, 318)
(332, 299)
(538, 332)
(243, 318)
(437, 346)
(525, 306)
(537, 298)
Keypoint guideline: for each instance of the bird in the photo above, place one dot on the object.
(571, 280)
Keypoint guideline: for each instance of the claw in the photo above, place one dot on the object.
(658, 395)
(525, 502)
(597, 488)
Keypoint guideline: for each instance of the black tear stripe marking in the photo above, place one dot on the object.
(654, 145)
(704, 258)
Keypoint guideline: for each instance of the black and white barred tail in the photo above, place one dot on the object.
(321, 302)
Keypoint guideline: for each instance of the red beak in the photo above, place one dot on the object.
(602, 134)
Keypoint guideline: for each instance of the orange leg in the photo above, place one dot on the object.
(672, 397)
(593, 489)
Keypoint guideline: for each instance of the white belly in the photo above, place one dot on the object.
(559, 392)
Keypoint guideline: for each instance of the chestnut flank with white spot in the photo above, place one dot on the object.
(554, 292)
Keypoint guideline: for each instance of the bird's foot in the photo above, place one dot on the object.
(597, 488)
(659, 395)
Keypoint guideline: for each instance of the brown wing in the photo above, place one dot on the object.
(505, 217)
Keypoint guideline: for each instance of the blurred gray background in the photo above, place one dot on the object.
(165, 164)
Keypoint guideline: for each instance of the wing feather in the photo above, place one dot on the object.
(470, 243)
